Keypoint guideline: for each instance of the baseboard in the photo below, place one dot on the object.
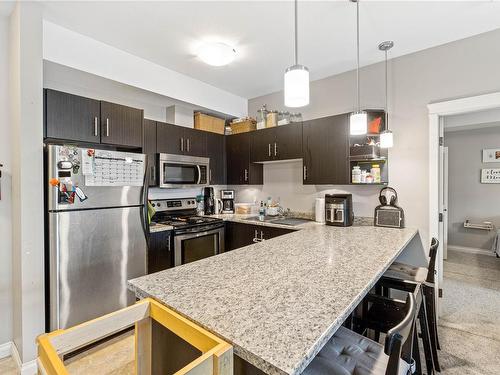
(6, 350)
(471, 250)
(28, 368)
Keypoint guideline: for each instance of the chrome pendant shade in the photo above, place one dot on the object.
(358, 121)
(386, 137)
(296, 78)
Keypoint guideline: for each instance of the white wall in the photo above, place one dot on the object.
(6, 183)
(467, 197)
(463, 68)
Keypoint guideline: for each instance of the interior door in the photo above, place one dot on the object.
(92, 255)
(444, 199)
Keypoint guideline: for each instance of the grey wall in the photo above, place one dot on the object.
(467, 197)
(464, 68)
(6, 183)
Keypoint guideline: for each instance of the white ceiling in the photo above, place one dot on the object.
(167, 33)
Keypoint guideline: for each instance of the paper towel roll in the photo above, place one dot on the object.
(320, 210)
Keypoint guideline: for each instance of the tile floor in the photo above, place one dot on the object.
(469, 325)
(469, 329)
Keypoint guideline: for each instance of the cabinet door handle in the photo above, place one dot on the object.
(188, 144)
(255, 239)
(96, 130)
(107, 127)
(269, 149)
(261, 235)
(210, 175)
(275, 149)
(246, 174)
(305, 173)
(182, 144)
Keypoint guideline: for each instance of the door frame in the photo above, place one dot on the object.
(437, 111)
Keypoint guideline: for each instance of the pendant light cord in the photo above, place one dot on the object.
(386, 90)
(296, 35)
(357, 56)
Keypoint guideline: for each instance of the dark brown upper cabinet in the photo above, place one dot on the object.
(173, 139)
(149, 148)
(326, 151)
(216, 151)
(72, 117)
(277, 143)
(240, 171)
(121, 125)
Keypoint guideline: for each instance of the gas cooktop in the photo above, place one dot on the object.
(185, 221)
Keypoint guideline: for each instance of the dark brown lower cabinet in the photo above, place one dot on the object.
(160, 256)
(239, 234)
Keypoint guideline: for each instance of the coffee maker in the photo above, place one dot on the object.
(209, 200)
(227, 197)
(338, 210)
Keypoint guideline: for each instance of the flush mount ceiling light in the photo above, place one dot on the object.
(296, 78)
(386, 137)
(358, 121)
(216, 54)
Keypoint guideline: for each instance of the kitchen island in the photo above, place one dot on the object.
(278, 301)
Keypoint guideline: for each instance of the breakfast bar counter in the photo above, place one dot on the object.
(278, 301)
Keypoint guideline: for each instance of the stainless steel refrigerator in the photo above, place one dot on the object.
(96, 203)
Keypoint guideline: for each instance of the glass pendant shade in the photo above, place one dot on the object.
(386, 139)
(358, 123)
(296, 86)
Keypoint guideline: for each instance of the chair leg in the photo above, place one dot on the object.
(431, 322)
(416, 352)
(426, 341)
(431, 309)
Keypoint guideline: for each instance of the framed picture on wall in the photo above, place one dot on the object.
(491, 155)
(490, 176)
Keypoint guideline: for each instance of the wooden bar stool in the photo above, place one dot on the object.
(420, 280)
(347, 352)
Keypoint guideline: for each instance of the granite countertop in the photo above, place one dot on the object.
(278, 301)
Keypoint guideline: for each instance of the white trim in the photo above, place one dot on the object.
(28, 368)
(470, 250)
(465, 105)
(6, 350)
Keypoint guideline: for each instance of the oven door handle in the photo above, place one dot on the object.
(199, 174)
(198, 234)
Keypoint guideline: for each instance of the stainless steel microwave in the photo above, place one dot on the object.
(180, 171)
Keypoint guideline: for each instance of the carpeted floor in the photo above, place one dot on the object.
(469, 325)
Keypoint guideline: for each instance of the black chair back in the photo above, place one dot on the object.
(431, 274)
(397, 336)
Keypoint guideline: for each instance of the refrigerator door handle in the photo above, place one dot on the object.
(144, 197)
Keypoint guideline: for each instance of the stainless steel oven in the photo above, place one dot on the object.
(180, 171)
(195, 243)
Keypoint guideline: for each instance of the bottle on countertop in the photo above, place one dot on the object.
(356, 174)
(262, 211)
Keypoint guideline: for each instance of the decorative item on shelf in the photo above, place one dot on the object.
(374, 125)
(247, 124)
(296, 76)
(272, 119)
(283, 118)
(386, 137)
(262, 117)
(209, 123)
(388, 213)
(358, 120)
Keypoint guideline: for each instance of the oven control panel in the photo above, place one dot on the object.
(173, 204)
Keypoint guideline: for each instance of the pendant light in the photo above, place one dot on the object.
(386, 137)
(296, 78)
(358, 121)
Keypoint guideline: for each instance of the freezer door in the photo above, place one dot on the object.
(92, 255)
(107, 179)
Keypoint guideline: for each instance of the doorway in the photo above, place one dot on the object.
(469, 271)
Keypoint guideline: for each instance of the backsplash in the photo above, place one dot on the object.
(157, 193)
(284, 181)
